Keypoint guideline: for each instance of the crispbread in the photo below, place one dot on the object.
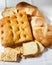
(9, 54)
(30, 49)
(15, 29)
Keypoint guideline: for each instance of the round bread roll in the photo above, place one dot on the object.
(28, 8)
(41, 30)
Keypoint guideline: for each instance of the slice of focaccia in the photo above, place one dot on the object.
(15, 29)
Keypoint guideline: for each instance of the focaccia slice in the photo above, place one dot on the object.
(15, 29)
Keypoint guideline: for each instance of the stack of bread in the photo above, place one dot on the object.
(23, 32)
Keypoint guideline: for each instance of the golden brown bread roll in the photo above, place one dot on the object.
(9, 11)
(41, 30)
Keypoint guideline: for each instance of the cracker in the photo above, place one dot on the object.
(9, 54)
(15, 29)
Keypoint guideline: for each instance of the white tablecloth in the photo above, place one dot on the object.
(46, 57)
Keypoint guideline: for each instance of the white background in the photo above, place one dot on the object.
(46, 7)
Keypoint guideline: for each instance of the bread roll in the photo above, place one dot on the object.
(41, 30)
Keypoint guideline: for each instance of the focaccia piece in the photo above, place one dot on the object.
(15, 29)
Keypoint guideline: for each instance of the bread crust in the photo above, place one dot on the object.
(15, 29)
(30, 49)
(9, 55)
(42, 31)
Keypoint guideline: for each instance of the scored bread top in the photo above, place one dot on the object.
(15, 29)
